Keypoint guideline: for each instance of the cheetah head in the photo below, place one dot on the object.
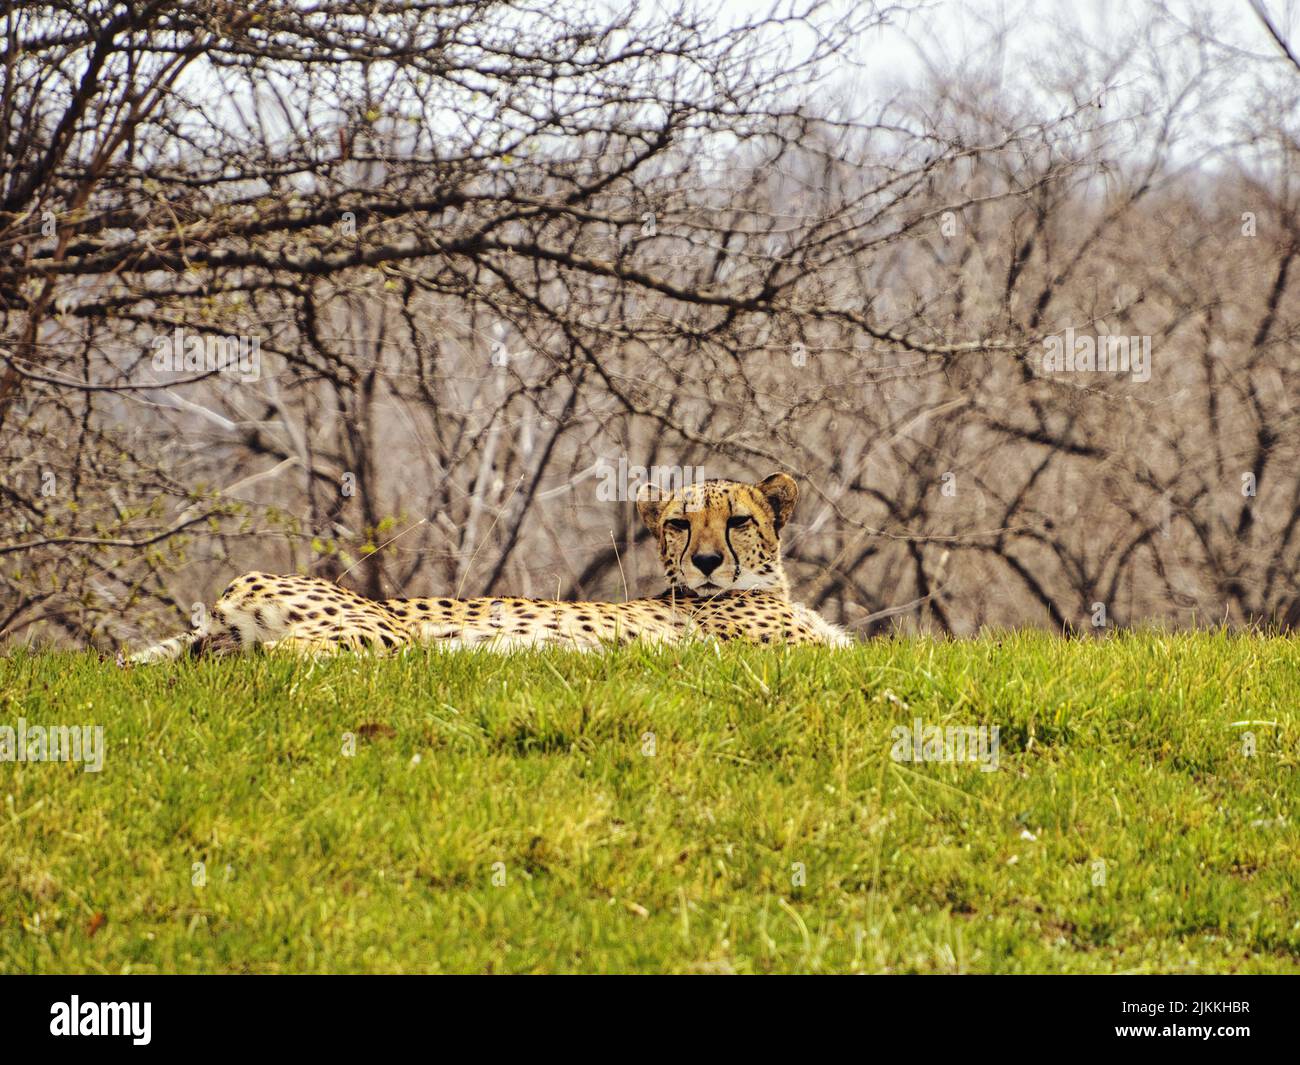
(721, 536)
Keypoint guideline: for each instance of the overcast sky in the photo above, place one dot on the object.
(1046, 39)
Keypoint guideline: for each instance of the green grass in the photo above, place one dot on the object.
(1122, 751)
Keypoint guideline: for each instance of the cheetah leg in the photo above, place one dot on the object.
(303, 646)
(491, 639)
(320, 646)
(176, 647)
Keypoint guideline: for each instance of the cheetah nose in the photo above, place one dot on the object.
(706, 564)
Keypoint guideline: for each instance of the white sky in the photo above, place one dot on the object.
(1044, 38)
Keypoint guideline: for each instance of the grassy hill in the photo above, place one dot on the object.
(704, 810)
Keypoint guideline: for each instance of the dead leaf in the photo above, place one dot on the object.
(375, 729)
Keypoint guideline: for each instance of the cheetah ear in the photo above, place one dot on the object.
(650, 503)
(780, 491)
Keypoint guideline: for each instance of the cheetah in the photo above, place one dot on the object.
(719, 543)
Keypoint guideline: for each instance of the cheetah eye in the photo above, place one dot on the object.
(739, 521)
(679, 524)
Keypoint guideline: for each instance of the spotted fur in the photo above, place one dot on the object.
(719, 542)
